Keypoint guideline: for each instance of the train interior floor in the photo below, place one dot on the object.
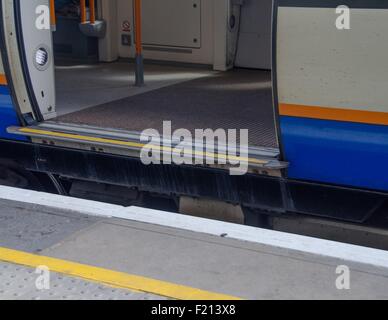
(104, 96)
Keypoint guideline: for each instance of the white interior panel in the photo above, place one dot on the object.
(254, 48)
(42, 79)
(162, 26)
(188, 31)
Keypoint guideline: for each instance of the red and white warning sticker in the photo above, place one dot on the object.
(126, 26)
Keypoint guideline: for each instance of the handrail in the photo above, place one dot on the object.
(138, 26)
(92, 8)
(83, 10)
(53, 16)
(139, 42)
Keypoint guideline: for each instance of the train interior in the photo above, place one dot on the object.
(207, 65)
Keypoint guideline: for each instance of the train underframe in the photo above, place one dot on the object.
(249, 199)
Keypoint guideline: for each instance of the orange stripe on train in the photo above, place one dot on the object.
(3, 79)
(323, 113)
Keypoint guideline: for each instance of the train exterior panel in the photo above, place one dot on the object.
(8, 114)
(332, 91)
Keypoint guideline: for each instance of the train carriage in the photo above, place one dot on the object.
(306, 79)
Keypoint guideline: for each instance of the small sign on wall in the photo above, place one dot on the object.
(126, 40)
(126, 26)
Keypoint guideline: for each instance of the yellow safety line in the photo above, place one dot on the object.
(136, 145)
(110, 277)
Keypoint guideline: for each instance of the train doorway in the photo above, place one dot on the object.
(207, 66)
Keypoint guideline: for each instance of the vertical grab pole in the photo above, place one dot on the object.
(83, 11)
(53, 16)
(92, 6)
(138, 40)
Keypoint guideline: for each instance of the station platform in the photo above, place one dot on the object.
(100, 251)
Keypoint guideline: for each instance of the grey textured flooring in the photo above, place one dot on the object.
(239, 99)
(80, 86)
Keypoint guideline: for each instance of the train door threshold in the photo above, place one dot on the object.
(125, 143)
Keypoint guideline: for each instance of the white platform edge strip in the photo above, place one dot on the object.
(303, 244)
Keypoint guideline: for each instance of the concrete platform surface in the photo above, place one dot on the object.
(174, 262)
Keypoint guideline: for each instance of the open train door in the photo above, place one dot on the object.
(27, 37)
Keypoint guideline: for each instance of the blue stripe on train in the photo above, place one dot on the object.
(4, 90)
(342, 153)
(8, 115)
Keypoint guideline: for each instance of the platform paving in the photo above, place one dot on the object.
(198, 260)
